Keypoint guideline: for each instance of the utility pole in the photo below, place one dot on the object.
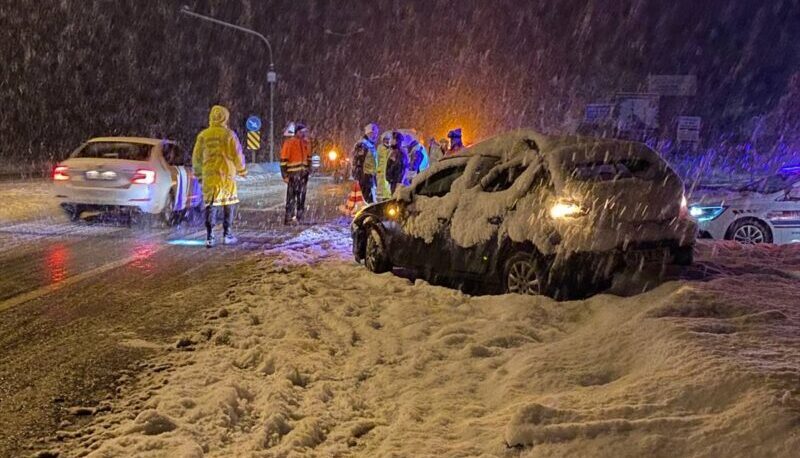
(272, 77)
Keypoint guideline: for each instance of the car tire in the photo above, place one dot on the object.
(749, 232)
(168, 215)
(376, 259)
(73, 212)
(525, 273)
(683, 256)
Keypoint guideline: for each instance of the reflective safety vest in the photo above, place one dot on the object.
(295, 155)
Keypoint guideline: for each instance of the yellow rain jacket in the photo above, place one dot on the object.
(217, 158)
(383, 188)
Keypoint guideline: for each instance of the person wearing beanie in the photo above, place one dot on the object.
(397, 163)
(364, 157)
(456, 144)
(216, 159)
(417, 159)
(295, 156)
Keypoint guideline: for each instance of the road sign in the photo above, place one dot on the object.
(253, 140)
(672, 85)
(637, 112)
(253, 123)
(598, 113)
(689, 129)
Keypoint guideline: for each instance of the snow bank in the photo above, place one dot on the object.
(310, 355)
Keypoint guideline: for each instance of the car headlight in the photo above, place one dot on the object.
(564, 209)
(393, 211)
(706, 213)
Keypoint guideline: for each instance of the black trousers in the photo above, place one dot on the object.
(227, 218)
(296, 195)
(367, 182)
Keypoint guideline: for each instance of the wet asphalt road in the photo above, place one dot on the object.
(82, 304)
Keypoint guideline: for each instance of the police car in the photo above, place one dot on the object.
(144, 176)
(764, 211)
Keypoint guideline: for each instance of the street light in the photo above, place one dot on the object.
(272, 77)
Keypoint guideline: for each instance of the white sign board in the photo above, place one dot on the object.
(672, 85)
(637, 112)
(598, 113)
(689, 128)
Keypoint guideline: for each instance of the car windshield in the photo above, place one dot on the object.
(771, 184)
(115, 150)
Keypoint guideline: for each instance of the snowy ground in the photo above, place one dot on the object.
(311, 355)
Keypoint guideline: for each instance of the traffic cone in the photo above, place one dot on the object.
(355, 200)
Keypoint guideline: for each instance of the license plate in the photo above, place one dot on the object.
(101, 175)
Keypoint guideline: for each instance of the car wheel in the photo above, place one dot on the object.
(73, 212)
(750, 232)
(168, 215)
(375, 257)
(524, 274)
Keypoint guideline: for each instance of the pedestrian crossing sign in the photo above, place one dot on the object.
(253, 140)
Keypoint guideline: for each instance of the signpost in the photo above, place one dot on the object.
(637, 113)
(253, 126)
(689, 131)
(598, 113)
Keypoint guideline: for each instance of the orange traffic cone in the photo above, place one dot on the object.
(355, 200)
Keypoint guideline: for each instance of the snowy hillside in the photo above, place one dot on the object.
(311, 355)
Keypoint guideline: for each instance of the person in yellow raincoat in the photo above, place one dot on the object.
(217, 159)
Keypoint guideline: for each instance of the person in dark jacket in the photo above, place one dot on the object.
(456, 143)
(397, 164)
(364, 159)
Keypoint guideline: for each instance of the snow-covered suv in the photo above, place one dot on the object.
(764, 211)
(534, 214)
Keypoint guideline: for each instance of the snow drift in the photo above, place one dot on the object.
(313, 356)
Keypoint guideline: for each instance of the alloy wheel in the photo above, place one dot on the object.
(522, 278)
(749, 234)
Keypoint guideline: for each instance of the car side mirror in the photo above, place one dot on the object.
(405, 195)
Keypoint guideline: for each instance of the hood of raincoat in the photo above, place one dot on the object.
(218, 116)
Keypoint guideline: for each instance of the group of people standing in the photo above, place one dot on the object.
(380, 167)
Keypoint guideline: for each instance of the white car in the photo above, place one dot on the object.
(764, 211)
(142, 175)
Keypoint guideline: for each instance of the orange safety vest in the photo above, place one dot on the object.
(295, 155)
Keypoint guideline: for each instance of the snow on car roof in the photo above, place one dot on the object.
(141, 140)
(522, 140)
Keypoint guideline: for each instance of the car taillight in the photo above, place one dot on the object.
(144, 176)
(60, 173)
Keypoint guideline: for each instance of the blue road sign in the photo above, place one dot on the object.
(253, 123)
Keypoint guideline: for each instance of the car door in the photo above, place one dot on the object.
(785, 214)
(415, 244)
(481, 215)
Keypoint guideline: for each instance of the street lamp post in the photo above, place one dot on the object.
(272, 77)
